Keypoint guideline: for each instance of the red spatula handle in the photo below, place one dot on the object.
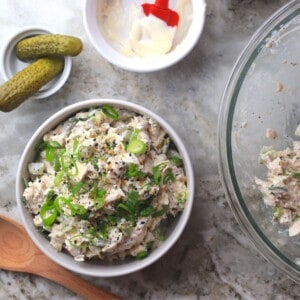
(164, 4)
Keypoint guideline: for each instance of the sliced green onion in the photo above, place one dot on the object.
(50, 197)
(48, 214)
(176, 160)
(161, 237)
(67, 163)
(142, 255)
(56, 164)
(76, 169)
(135, 145)
(134, 171)
(50, 149)
(78, 209)
(54, 144)
(169, 176)
(277, 212)
(149, 245)
(48, 211)
(75, 146)
(101, 227)
(148, 211)
(133, 199)
(61, 202)
(99, 199)
(124, 207)
(49, 154)
(110, 112)
(77, 187)
(296, 175)
(161, 212)
(41, 147)
(112, 219)
(156, 171)
(58, 178)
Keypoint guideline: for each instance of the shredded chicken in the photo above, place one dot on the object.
(281, 189)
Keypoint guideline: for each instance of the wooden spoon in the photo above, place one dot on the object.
(19, 253)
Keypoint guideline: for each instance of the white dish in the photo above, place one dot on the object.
(10, 64)
(138, 64)
(100, 268)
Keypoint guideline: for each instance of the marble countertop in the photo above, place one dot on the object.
(213, 258)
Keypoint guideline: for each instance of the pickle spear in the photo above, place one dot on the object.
(28, 81)
(48, 45)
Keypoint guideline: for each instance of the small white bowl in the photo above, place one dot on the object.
(10, 64)
(142, 64)
(100, 268)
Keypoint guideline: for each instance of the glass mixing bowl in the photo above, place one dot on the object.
(263, 92)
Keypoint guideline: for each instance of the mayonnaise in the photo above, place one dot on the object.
(150, 36)
(127, 29)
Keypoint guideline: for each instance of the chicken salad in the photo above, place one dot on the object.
(103, 182)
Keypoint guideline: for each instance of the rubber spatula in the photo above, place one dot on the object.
(160, 9)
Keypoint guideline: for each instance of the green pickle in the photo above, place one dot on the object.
(28, 81)
(48, 45)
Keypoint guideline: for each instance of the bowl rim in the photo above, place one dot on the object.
(225, 165)
(157, 63)
(6, 60)
(66, 260)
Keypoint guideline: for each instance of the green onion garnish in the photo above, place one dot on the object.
(61, 202)
(156, 171)
(134, 171)
(148, 211)
(142, 255)
(78, 209)
(99, 198)
(169, 176)
(77, 187)
(58, 178)
(48, 214)
(277, 212)
(110, 112)
(177, 161)
(135, 145)
(48, 211)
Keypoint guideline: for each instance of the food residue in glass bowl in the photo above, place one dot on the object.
(281, 189)
(127, 29)
(104, 184)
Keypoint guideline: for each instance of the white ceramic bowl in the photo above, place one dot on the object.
(138, 64)
(99, 268)
(10, 64)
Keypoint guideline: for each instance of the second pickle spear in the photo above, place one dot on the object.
(48, 45)
(28, 81)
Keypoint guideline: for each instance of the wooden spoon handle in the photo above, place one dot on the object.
(18, 253)
(76, 284)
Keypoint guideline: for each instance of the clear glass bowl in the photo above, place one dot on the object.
(263, 92)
